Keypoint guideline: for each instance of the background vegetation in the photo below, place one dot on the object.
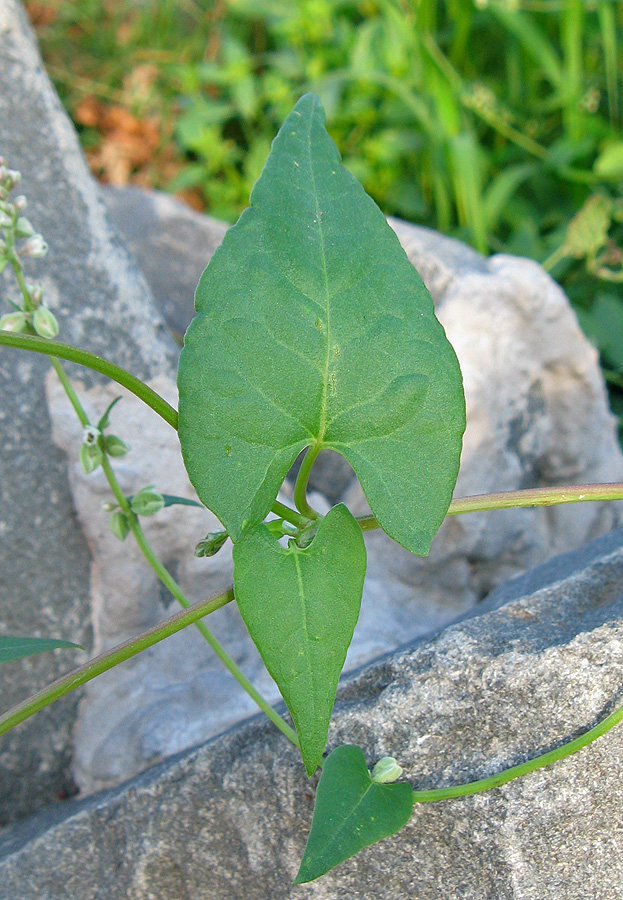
(495, 121)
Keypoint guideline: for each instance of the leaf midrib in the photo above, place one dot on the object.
(323, 256)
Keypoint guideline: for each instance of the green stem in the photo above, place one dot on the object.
(300, 487)
(290, 515)
(577, 493)
(181, 598)
(539, 762)
(91, 361)
(111, 658)
(71, 394)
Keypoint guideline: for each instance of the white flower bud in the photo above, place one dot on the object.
(5, 220)
(44, 322)
(20, 203)
(35, 247)
(15, 321)
(14, 177)
(36, 292)
(386, 770)
(24, 228)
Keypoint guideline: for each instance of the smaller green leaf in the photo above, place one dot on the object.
(105, 420)
(352, 812)
(301, 607)
(172, 500)
(12, 648)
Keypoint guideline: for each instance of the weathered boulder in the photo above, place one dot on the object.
(229, 819)
(103, 303)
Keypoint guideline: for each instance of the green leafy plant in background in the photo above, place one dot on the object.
(496, 121)
(313, 331)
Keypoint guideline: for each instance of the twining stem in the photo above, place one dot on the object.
(300, 486)
(98, 364)
(111, 658)
(539, 762)
(290, 515)
(546, 496)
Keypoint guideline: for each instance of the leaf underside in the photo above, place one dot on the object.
(314, 329)
(351, 812)
(12, 648)
(301, 607)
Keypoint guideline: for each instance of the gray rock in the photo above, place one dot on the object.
(103, 304)
(171, 243)
(229, 819)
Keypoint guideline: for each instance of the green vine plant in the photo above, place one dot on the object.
(313, 331)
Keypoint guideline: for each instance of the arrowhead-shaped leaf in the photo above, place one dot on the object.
(351, 812)
(301, 607)
(17, 647)
(314, 329)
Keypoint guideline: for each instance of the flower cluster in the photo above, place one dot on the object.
(19, 239)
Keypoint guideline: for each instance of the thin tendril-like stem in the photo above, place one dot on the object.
(98, 364)
(111, 658)
(300, 486)
(181, 598)
(577, 493)
(539, 762)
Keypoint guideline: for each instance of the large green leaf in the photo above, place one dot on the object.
(352, 812)
(12, 648)
(301, 607)
(314, 329)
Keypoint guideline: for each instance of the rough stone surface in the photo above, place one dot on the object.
(103, 304)
(170, 248)
(229, 819)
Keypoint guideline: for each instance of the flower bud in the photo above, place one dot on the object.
(24, 228)
(5, 220)
(20, 203)
(44, 322)
(35, 247)
(13, 177)
(118, 524)
(90, 457)
(147, 502)
(114, 446)
(386, 770)
(211, 544)
(109, 507)
(15, 321)
(36, 292)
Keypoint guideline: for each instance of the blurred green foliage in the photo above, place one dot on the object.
(495, 121)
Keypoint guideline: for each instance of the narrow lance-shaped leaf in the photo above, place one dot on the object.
(352, 812)
(314, 329)
(301, 607)
(12, 648)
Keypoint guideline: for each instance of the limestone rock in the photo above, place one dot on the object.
(103, 303)
(230, 818)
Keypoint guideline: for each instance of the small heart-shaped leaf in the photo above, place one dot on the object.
(352, 812)
(301, 607)
(12, 648)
